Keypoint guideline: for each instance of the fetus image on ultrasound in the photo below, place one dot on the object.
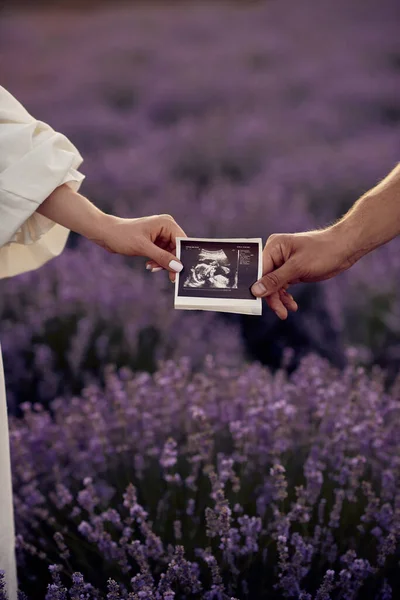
(212, 270)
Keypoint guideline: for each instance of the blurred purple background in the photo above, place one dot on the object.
(239, 119)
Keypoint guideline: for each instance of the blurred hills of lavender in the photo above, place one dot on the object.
(238, 119)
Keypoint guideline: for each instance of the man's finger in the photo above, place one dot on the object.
(274, 301)
(274, 281)
(164, 259)
(288, 301)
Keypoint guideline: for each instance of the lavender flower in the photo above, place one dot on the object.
(56, 590)
(386, 592)
(79, 589)
(113, 590)
(3, 594)
(62, 547)
(169, 454)
(326, 587)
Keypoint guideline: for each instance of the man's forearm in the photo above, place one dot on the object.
(75, 212)
(373, 220)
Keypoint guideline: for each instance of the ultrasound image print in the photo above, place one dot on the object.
(215, 269)
(212, 270)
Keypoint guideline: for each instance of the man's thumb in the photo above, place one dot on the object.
(163, 258)
(274, 281)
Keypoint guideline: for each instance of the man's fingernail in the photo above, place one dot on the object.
(259, 289)
(175, 266)
(156, 269)
(148, 267)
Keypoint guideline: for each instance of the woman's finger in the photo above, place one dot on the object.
(162, 257)
(153, 267)
(170, 231)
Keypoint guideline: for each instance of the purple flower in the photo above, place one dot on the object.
(386, 592)
(79, 589)
(87, 497)
(181, 572)
(169, 454)
(113, 590)
(3, 594)
(62, 547)
(327, 586)
(56, 590)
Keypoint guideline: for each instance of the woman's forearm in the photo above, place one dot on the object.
(75, 212)
(373, 220)
(153, 237)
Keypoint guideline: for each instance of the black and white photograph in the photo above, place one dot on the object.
(218, 274)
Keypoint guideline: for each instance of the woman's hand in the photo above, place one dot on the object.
(153, 237)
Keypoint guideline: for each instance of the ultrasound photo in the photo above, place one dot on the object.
(213, 269)
(219, 273)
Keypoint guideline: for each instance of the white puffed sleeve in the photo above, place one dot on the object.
(34, 161)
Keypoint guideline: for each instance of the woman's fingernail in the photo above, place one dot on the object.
(175, 266)
(156, 269)
(258, 289)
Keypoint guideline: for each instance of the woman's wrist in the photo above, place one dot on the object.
(75, 212)
(102, 232)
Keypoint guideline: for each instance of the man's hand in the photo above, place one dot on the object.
(372, 221)
(296, 258)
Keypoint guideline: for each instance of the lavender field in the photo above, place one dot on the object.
(160, 454)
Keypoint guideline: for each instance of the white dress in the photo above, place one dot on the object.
(34, 161)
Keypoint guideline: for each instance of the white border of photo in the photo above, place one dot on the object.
(228, 305)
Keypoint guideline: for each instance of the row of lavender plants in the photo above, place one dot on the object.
(229, 483)
(63, 323)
